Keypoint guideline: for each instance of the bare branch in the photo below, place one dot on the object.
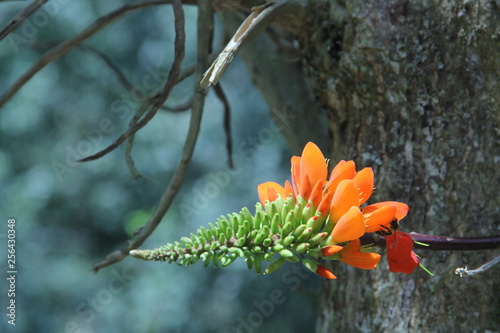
(227, 124)
(21, 17)
(180, 107)
(68, 45)
(204, 20)
(159, 98)
(109, 62)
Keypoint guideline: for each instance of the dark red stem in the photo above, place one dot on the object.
(442, 243)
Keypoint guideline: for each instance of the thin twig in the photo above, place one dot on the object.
(129, 161)
(227, 124)
(21, 17)
(68, 45)
(179, 108)
(204, 20)
(159, 98)
(464, 271)
(108, 61)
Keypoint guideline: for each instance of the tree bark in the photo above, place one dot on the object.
(410, 89)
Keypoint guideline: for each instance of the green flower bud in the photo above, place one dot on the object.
(288, 240)
(275, 265)
(304, 237)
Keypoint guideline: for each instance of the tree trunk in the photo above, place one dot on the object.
(410, 89)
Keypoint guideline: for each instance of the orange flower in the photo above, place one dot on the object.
(382, 213)
(352, 255)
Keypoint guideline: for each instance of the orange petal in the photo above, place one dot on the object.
(352, 255)
(325, 272)
(350, 226)
(364, 179)
(346, 196)
(288, 189)
(295, 162)
(401, 208)
(270, 191)
(400, 256)
(305, 187)
(324, 205)
(382, 216)
(317, 193)
(330, 250)
(313, 164)
(343, 170)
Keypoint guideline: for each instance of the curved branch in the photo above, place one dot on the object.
(68, 45)
(204, 20)
(159, 99)
(21, 17)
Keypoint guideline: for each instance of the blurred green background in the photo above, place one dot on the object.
(70, 216)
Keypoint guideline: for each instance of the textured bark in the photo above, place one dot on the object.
(411, 89)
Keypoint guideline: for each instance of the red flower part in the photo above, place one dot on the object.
(325, 272)
(400, 253)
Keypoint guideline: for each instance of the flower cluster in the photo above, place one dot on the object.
(313, 218)
(339, 198)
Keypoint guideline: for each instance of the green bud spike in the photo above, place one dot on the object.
(257, 220)
(249, 261)
(241, 231)
(299, 230)
(266, 242)
(290, 218)
(285, 209)
(257, 263)
(202, 232)
(240, 242)
(317, 239)
(257, 249)
(275, 224)
(269, 256)
(215, 245)
(186, 240)
(245, 213)
(259, 238)
(287, 254)
(278, 247)
(310, 264)
(287, 228)
(302, 247)
(266, 221)
(222, 239)
(288, 240)
(246, 226)
(274, 266)
(229, 232)
(234, 222)
(252, 234)
(297, 211)
(304, 237)
(308, 212)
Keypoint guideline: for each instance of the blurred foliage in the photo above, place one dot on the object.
(70, 215)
